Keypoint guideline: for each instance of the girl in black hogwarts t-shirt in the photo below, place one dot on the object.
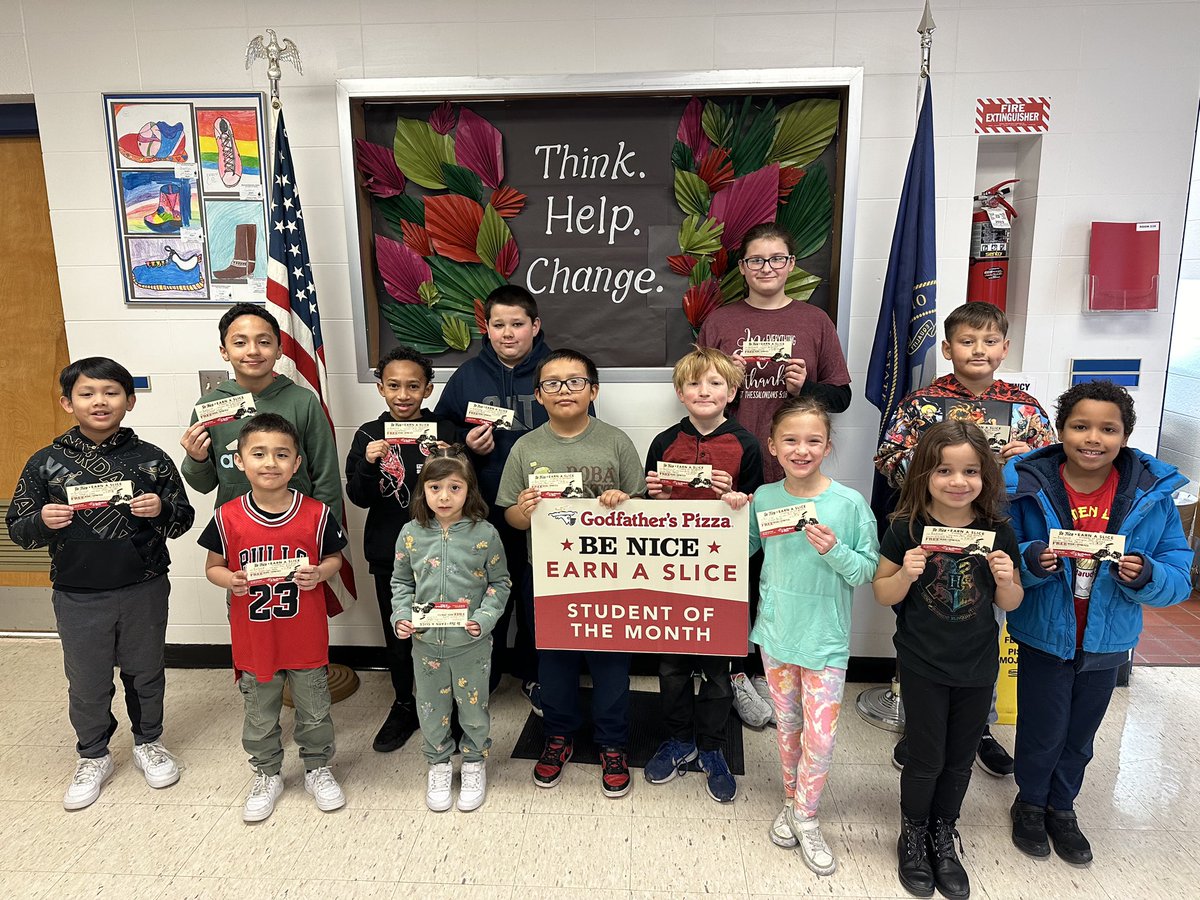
(946, 638)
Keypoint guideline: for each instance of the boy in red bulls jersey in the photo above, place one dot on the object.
(277, 620)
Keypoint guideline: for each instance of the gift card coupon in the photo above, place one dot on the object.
(997, 435)
(557, 484)
(967, 541)
(1087, 544)
(424, 433)
(766, 351)
(272, 571)
(103, 493)
(695, 475)
(225, 409)
(786, 520)
(499, 417)
(440, 614)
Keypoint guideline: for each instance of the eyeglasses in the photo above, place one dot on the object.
(554, 386)
(776, 262)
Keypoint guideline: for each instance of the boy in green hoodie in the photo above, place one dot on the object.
(250, 343)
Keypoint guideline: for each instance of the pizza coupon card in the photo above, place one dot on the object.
(95, 496)
(968, 541)
(557, 484)
(440, 614)
(225, 409)
(499, 417)
(997, 435)
(786, 520)
(766, 351)
(1087, 544)
(694, 475)
(272, 571)
(410, 432)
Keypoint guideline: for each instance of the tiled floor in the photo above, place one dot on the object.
(1140, 807)
(1171, 636)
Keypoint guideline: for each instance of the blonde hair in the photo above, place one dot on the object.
(694, 364)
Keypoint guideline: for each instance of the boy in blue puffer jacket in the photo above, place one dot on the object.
(1081, 617)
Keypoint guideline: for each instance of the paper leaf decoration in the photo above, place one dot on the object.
(800, 285)
(716, 169)
(681, 265)
(700, 300)
(401, 269)
(463, 181)
(461, 284)
(453, 225)
(699, 236)
(691, 131)
(803, 131)
(421, 151)
(416, 238)
(480, 147)
(508, 201)
(716, 123)
(509, 258)
(748, 201)
(378, 166)
(751, 134)
(493, 233)
(808, 213)
(682, 157)
(480, 318)
(417, 326)
(455, 331)
(442, 118)
(691, 193)
(428, 293)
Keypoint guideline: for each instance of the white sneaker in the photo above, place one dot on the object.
(260, 802)
(473, 790)
(437, 793)
(816, 853)
(90, 775)
(781, 832)
(325, 789)
(763, 690)
(156, 764)
(751, 708)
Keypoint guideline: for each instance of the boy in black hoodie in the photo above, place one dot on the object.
(381, 476)
(108, 563)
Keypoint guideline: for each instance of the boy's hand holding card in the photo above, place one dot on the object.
(766, 351)
(100, 494)
(273, 571)
(695, 475)
(499, 417)
(1087, 544)
(557, 484)
(225, 409)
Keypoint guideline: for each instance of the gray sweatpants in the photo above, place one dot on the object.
(125, 628)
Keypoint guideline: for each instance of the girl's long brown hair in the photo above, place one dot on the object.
(914, 496)
(443, 463)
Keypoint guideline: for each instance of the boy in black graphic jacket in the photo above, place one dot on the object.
(108, 563)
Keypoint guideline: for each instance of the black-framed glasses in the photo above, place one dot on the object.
(554, 386)
(775, 262)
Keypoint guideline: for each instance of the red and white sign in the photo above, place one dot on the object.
(648, 577)
(1012, 115)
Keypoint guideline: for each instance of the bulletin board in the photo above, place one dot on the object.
(618, 201)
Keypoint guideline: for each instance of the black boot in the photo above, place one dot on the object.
(916, 874)
(1029, 829)
(398, 728)
(948, 872)
(1069, 842)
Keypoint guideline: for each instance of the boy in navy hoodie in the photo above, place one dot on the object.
(1082, 616)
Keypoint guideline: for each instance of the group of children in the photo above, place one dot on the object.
(448, 522)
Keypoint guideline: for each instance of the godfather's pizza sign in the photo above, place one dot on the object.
(648, 576)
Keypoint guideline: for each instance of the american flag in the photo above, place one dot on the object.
(290, 289)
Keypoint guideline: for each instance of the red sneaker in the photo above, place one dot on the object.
(615, 776)
(549, 769)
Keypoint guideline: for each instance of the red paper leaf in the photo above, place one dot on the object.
(378, 166)
(479, 147)
(480, 318)
(690, 131)
(402, 269)
(682, 265)
(719, 263)
(508, 258)
(441, 119)
(716, 169)
(700, 300)
(748, 201)
(789, 177)
(416, 238)
(507, 201)
(452, 221)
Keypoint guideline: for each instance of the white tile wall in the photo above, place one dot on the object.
(1124, 79)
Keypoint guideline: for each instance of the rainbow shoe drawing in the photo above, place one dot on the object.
(172, 273)
(229, 160)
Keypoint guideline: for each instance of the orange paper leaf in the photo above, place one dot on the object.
(452, 221)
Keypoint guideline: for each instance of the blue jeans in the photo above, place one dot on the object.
(1059, 709)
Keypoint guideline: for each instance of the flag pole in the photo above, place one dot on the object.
(925, 29)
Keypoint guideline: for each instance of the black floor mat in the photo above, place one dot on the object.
(646, 732)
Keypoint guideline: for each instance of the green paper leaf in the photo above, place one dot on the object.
(682, 157)
(404, 208)
(701, 272)
(733, 286)
(716, 123)
(699, 236)
(800, 284)
(804, 130)
(417, 326)
(753, 131)
(459, 285)
(421, 152)
(691, 193)
(493, 234)
(456, 332)
(808, 213)
(463, 181)
(428, 293)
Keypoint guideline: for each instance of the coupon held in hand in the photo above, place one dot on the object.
(557, 484)
(103, 493)
(410, 433)
(766, 351)
(1087, 544)
(499, 417)
(966, 541)
(273, 571)
(786, 520)
(225, 409)
(440, 614)
(694, 475)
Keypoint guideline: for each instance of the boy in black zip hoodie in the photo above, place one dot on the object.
(108, 563)
(382, 477)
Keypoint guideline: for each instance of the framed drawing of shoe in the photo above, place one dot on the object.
(189, 180)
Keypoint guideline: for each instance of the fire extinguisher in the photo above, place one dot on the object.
(987, 275)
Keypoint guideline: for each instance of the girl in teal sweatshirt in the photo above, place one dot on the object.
(819, 542)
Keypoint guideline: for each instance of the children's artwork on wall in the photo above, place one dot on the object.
(190, 200)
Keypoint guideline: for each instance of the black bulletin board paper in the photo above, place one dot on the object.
(598, 176)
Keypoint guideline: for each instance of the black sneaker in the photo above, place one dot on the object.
(397, 728)
(914, 870)
(1029, 829)
(1069, 843)
(948, 872)
(614, 777)
(900, 754)
(555, 755)
(533, 693)
(992, 757)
